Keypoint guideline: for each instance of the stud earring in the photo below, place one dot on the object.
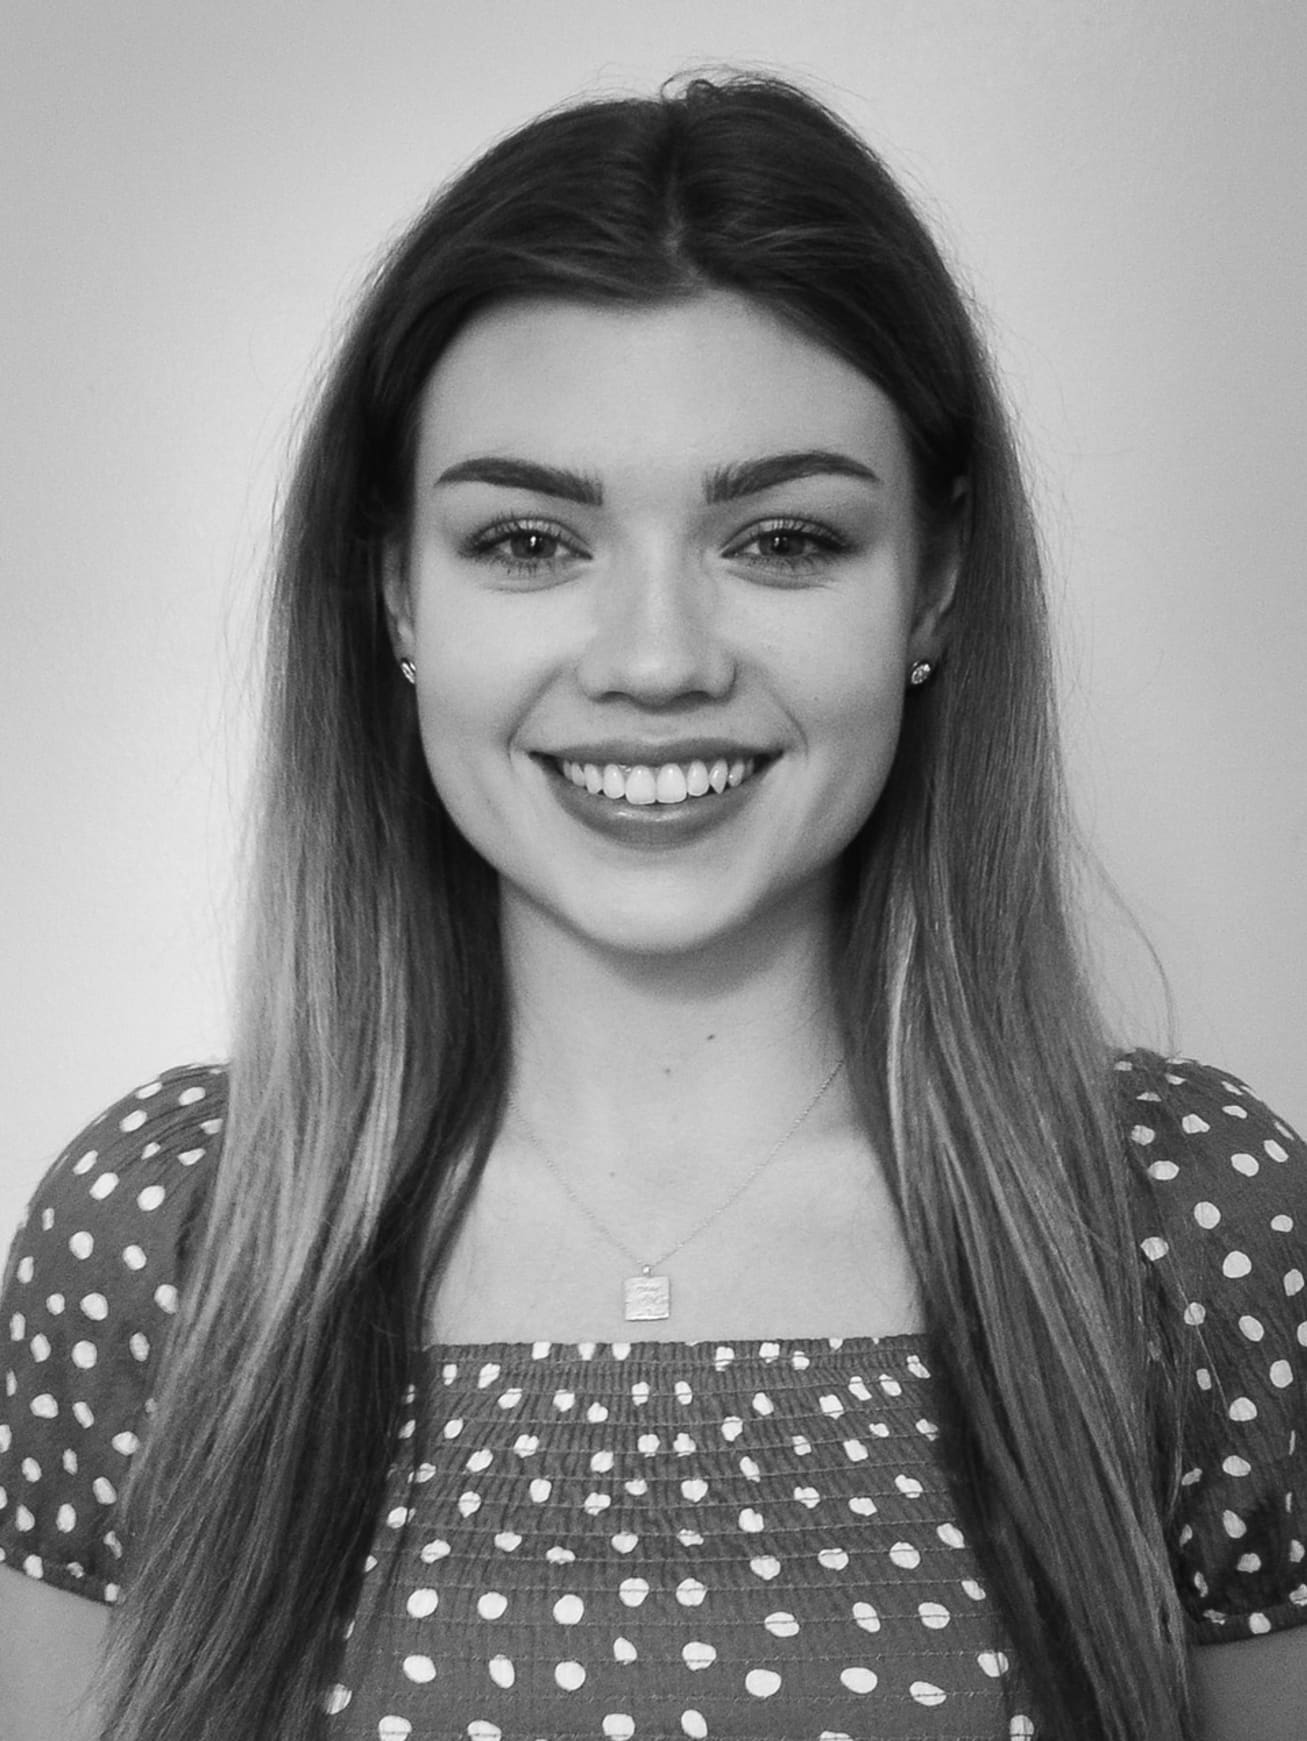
(409, 669)
(920, 672)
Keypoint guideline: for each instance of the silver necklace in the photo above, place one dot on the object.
(647, 1296)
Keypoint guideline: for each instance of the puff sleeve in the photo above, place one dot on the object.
(90, 1290)
(1228, 1220)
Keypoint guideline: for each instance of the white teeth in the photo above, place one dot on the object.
(670, 783)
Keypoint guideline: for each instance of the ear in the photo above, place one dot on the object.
(941, 567)
(399, 605)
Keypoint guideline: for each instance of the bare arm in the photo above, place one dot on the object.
(50, 1645)
(1255, 1690)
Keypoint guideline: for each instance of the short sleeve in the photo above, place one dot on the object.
(90, 1290)
(1228, 1221)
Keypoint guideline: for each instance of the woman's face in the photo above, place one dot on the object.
(662, 592)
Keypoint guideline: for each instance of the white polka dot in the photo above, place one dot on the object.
(933, 1614)
(690, 1592)
(1275, 1150)
(336, 1699)
(501, 1671)
(133, 1121)
(1152, 1248)
(84, 1355)
(568, 1610)
(1237, 1466)
(86, 1162)
(1020, 1729)
(1243, 1408)
(422, 1602)
(765, 1566)
(104, 1186)
(511, 1398)
(1237, 1263)
(151, 1197)
(750, 1521)
(1258, 1623)
(697, 1654)
(694, 1725)
(618, 1726)
(993, 1663)
(165, 1297)
(540, 1489)
(1206, 1214)
(44, 1407)
(480, 1729)
(909, 1486)
(139, 1346)
(81, 1245)
(1233, 1524)
(1293, 1282)
(134, 1257)
(570, 1676)
(905, 1555)
(1281, 1374)
(394, 1729)
(632, 1591)
(781, 1624)
(694, 1489)
(763, 1404)
(65, 1520)
(971, 1588)
(1248, 1165)
(126, 1444)
(862, 1506)
(951, 1535)
(1282, 1223)
(624, 1650)
(1192, 1125)
(833, 1559)
(420, 1669)
(39, 1345)
(859, 1680)
(927, 1693)
(104, 1490)
(866, 1616)
(189, 1096)
(1251, 1327)
(1163, 1170)
(1142, 1134)
(762, 1682)
(491, 1606)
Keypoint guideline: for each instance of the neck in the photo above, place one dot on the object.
(651, 1066)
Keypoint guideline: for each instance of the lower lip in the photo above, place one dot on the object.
(651, 826)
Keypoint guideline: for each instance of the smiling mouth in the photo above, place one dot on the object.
(667, 783)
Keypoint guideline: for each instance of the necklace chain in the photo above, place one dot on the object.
(736, 1194)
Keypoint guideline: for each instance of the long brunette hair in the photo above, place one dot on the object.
(372, 1040)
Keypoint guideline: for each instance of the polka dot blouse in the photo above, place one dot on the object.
(744, 1539)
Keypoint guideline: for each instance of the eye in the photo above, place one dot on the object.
(790, 545)
(524, 547)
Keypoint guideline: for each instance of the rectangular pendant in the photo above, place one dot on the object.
(647, 1297)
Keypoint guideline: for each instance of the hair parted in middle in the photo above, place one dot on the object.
(374, 1029)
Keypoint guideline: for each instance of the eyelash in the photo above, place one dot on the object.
(487, 545)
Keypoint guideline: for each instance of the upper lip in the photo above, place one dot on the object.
(629, 752)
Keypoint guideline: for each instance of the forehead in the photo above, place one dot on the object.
(672, 386)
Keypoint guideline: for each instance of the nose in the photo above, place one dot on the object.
(656, 636)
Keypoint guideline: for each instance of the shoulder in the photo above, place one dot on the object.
(1227, 1177)
(91, 1289)
(1224, 1226)
(116, 1201)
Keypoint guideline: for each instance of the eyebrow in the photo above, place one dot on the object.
(723, 484)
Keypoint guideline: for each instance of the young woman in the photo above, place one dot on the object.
(674, 1252)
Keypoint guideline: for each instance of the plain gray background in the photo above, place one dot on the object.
(191, 193)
